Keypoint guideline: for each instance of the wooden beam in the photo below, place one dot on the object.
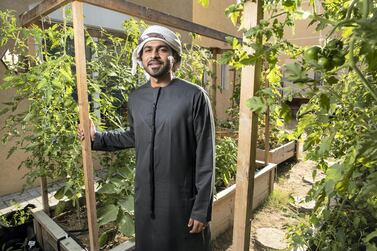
(42, 9)
(250, 77)
(82, 89)
(148, 14)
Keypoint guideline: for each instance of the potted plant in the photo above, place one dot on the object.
(16, 227)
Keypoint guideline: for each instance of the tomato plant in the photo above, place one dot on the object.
(340, 120)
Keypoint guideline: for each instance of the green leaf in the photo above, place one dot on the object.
(107, 214)
(295, 73)
(324, 102)
(325, 145)
(370, 236)
(204, 3)
(127, 204)
(105, 237)
(107, 188)
(126, 225)
(60, 193)
(256, 104)
(11, 151)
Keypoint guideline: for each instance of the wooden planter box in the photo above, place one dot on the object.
(221, 133)
(223, 206)
(48, 232)
(280, 154)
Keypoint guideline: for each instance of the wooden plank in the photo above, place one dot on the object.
(42, 9)
(250, 77)
(38, 232)
(52, 232)
(82, 89)
(125, 246)
(44, 193)
(152, 15)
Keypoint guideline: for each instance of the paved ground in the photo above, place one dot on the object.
(276, 213)
(29, 196)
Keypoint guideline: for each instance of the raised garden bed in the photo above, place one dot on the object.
(276, 155)
(49, 232)
(50, 236)
(223, 206)
(279, 154)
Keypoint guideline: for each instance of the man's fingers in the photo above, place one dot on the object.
(80, 132)
(191, 221)
(197, 227)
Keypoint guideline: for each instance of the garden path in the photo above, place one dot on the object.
(276, 212)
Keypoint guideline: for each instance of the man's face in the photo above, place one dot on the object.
(154, 57)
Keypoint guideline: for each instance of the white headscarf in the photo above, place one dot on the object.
(155, 32)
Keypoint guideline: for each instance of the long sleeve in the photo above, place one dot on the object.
(116, 139)
(205, 158)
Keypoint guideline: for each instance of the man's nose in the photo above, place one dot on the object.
(155, 53)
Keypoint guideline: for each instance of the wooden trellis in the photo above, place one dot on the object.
(249, 84)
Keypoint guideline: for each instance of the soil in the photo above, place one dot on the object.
(289, 181)
(75, 223)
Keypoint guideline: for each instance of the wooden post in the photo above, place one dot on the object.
(213, 87)
(44, 192)
(82, 89)
(246, 165)
(267, 134)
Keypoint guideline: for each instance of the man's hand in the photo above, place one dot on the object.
(197, 226)
(80, 131)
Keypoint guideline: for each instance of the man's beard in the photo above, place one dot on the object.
(158, 72)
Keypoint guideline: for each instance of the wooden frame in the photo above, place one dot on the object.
(279, 154)
(223, 205)
(48, 6)
(250, 77)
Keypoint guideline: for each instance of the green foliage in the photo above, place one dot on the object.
(340, 119)
(226, 161)
(17, 217)
(204, 3)
(116, 192)
(46, 130)
(195, 64)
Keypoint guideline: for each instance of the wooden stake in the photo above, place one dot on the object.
(213, 87)
(247, 140)
(82, 89)
(44, 192)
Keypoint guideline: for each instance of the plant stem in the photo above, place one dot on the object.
(358, 72)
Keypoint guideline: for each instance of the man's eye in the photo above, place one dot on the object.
(163, 49)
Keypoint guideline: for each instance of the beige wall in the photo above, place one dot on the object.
(178, 8)
(213, 16)
(11, 179)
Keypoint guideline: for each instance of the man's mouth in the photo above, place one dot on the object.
(154, 63)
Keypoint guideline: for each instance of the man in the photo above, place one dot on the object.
(171, 126)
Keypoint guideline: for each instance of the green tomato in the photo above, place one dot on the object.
(335, 44)
(338, 60)
(312, 53)
(324, 62)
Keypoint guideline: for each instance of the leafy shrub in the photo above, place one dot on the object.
(226, 162)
